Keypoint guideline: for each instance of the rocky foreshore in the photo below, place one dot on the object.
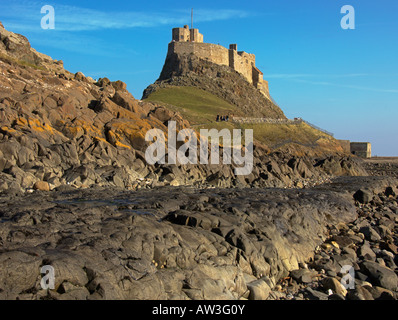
(189, 243)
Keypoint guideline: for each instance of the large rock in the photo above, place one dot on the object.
(370, 233)
(259, 290)
(383, 276)
(363, 196)
(18, 48)
(334, 285)
(19, 272)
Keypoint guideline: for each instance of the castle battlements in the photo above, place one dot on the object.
(190, 41)
(187, 35)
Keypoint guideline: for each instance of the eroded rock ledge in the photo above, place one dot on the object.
(166, 243)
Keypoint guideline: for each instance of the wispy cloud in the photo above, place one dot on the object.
(82, 44)
(347, 86)
(323, 80)
(26, 14)
(312, 75)
(74, 24)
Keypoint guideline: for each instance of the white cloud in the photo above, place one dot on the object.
(323, 80)
(25, 15)
(347, 86)
(309, 75)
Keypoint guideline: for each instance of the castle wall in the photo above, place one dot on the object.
(264, 88)
(196, 36)
(240, 61)
(259, 82)
(206, 51)
(257, 76)
(243, 63)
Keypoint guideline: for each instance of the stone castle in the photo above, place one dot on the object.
(190, 41)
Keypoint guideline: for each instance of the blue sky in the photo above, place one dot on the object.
(345, 81)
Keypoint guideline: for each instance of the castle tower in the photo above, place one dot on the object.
(181, 34)
(186, 35)
(196, 36)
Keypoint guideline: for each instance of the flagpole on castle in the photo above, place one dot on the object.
(192, 18)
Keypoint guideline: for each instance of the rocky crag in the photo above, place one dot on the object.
(222, 81)
(16, 48)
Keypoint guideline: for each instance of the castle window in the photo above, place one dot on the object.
(182, 37)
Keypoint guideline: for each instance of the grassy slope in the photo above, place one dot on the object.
(200, 108)
(196, 105)
(276, 134)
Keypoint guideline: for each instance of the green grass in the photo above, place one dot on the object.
(196, 105)
(275, 135)
(200, 108)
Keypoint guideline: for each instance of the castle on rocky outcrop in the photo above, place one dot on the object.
(190, 41)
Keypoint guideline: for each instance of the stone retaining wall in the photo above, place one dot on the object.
(264, 120)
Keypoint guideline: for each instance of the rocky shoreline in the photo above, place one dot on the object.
(190, 243)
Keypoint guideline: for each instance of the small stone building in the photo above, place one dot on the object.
(361, 149)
